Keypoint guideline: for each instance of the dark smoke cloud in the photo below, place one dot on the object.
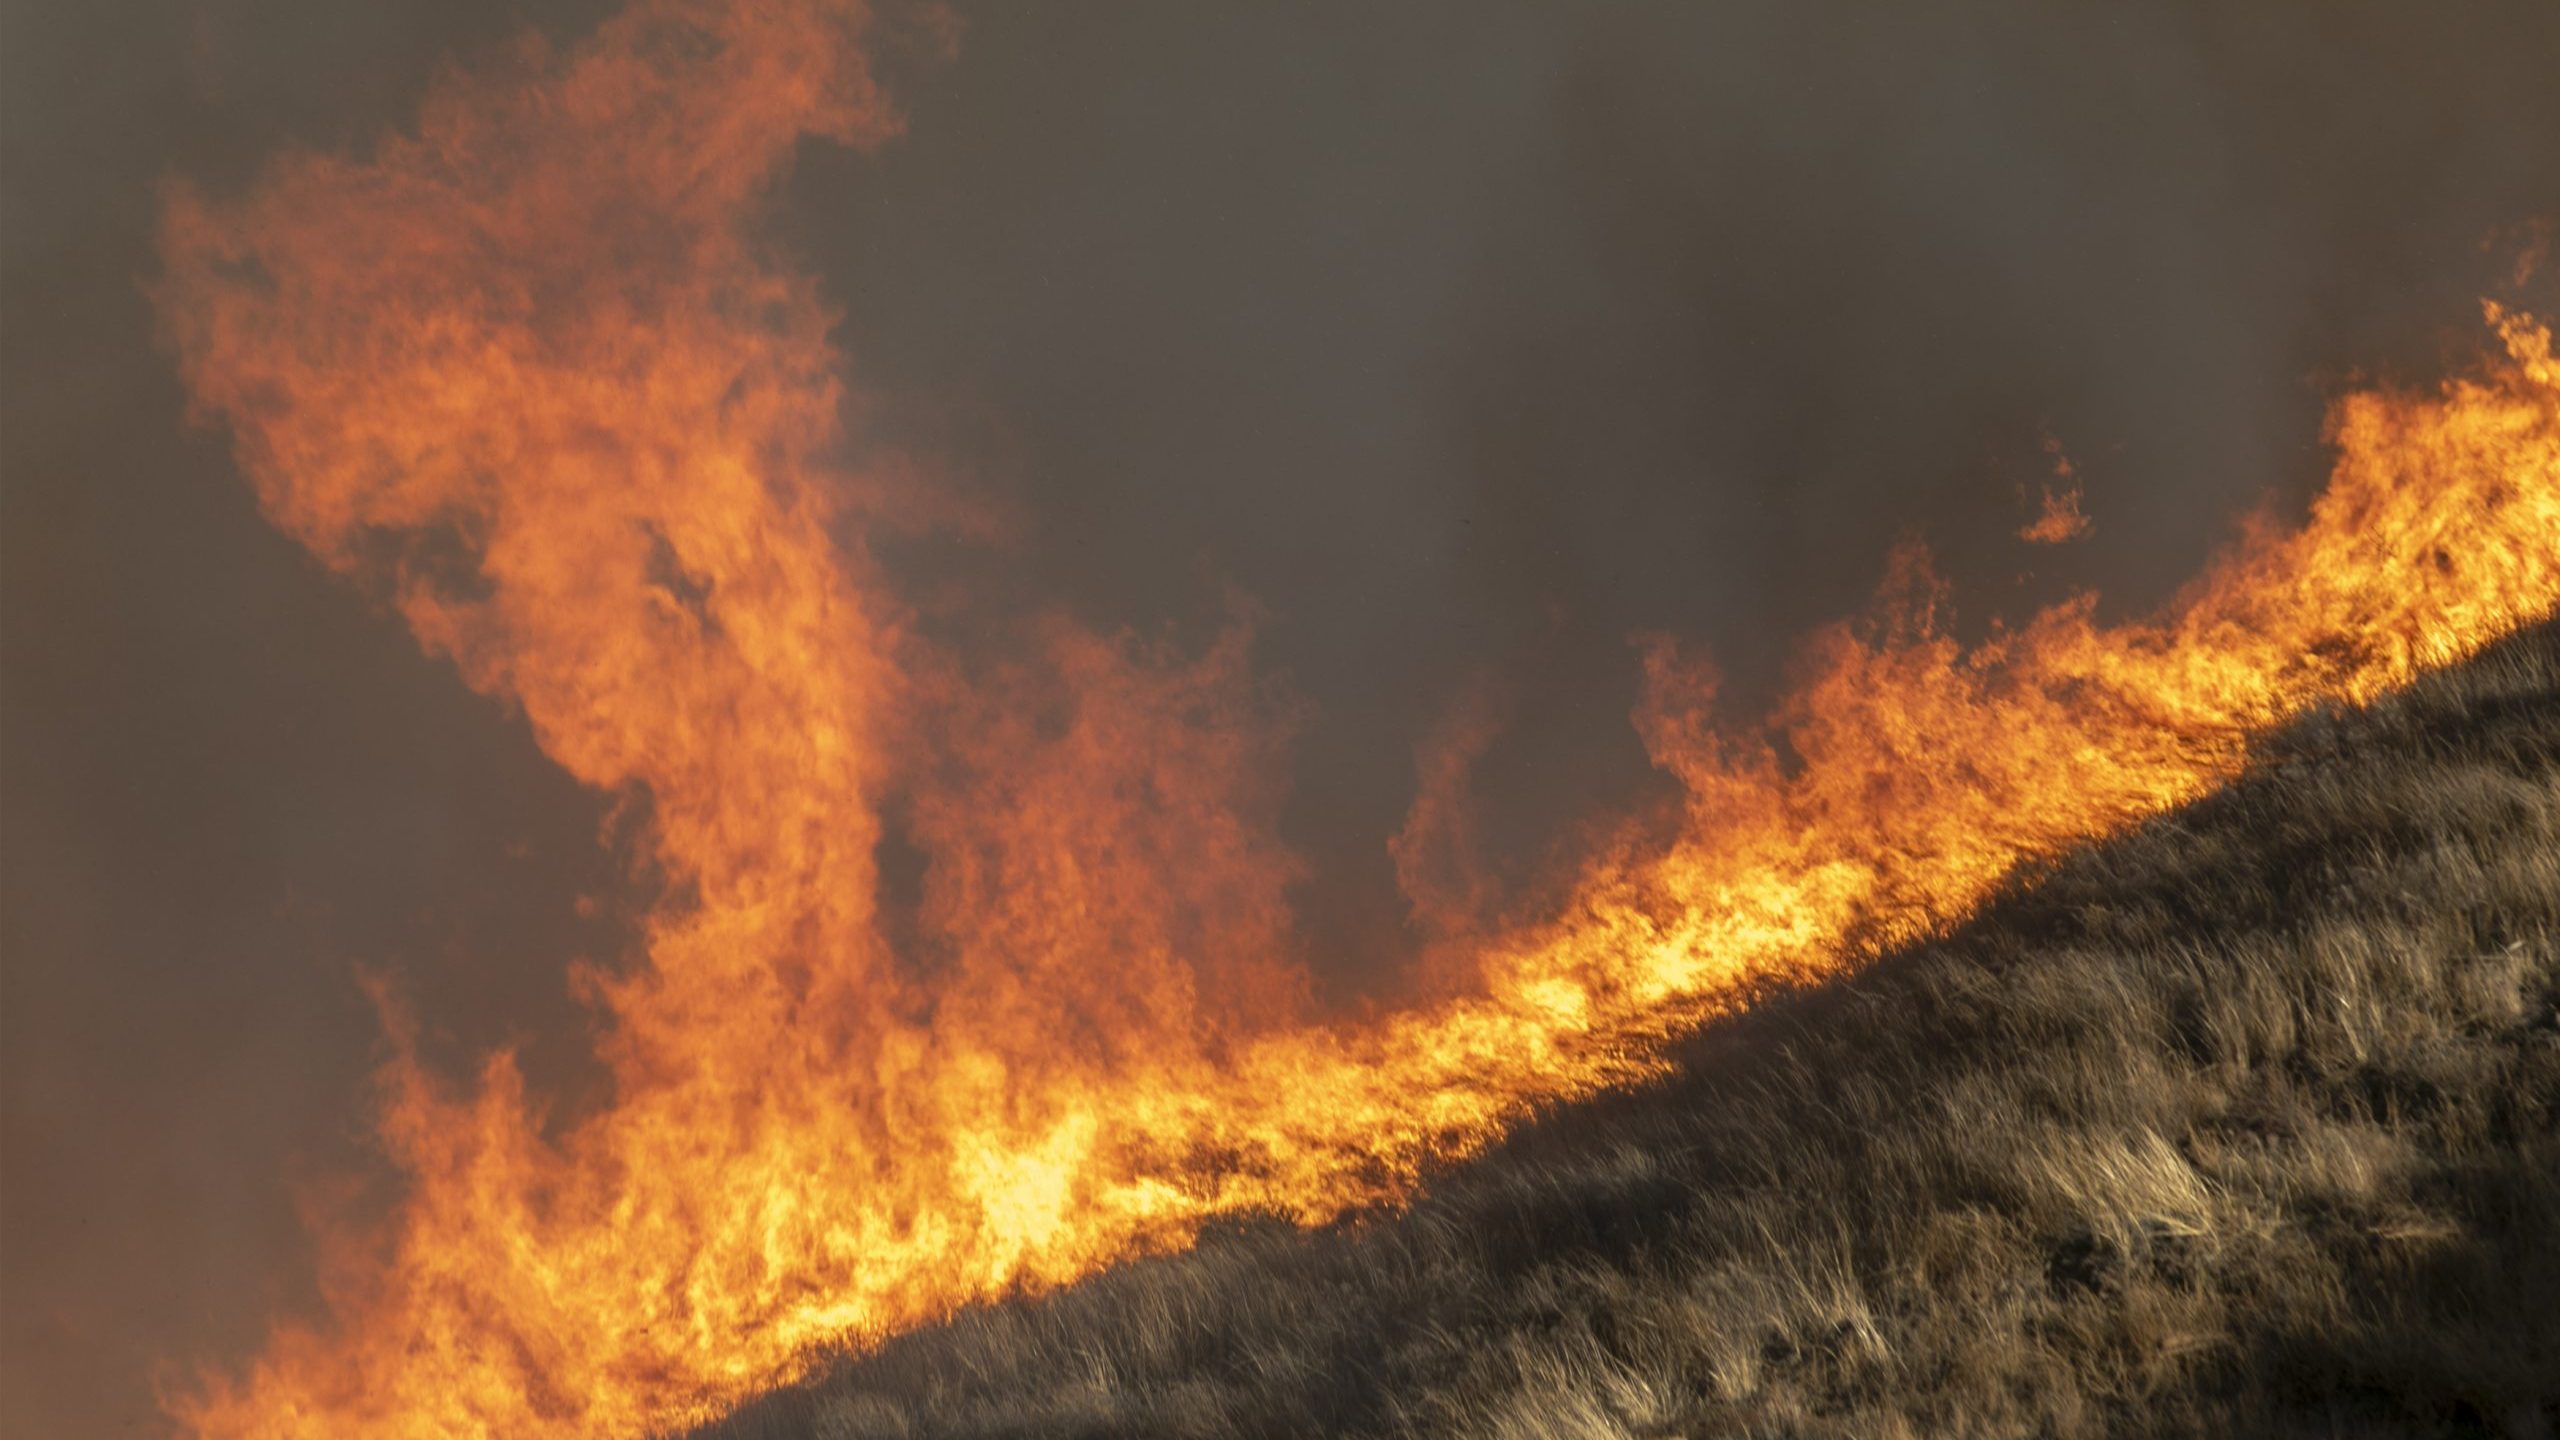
(1467, 340)
(1469, 336)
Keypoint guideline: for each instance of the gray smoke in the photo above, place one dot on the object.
(1466, 338)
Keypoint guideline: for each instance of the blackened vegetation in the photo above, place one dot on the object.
(2245, 1124)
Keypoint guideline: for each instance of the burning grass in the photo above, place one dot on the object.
(532, 372)
(2247, 1122)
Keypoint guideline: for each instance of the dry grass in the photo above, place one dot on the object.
(2247, 1124)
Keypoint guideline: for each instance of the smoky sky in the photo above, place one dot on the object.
(1459, 342)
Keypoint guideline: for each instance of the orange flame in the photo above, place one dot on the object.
(529, 371)
(2061, 519)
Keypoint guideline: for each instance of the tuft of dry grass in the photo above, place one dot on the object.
(2246, 1123)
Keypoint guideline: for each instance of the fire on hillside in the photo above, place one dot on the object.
(528, 372)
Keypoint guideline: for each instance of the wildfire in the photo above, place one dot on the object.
(2060, 520)
(529, 372)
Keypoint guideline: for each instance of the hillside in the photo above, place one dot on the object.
(2246, 1123)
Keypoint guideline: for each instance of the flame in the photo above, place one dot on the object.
(529, 372)
(2060, 520)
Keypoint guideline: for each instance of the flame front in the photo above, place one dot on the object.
(530, 372)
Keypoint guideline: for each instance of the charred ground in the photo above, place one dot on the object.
(2245, 1123)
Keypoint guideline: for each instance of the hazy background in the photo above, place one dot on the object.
(1467, 338)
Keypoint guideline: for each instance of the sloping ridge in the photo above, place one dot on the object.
(2247, 1123)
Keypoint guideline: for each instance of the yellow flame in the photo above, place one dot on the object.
(527, 372)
